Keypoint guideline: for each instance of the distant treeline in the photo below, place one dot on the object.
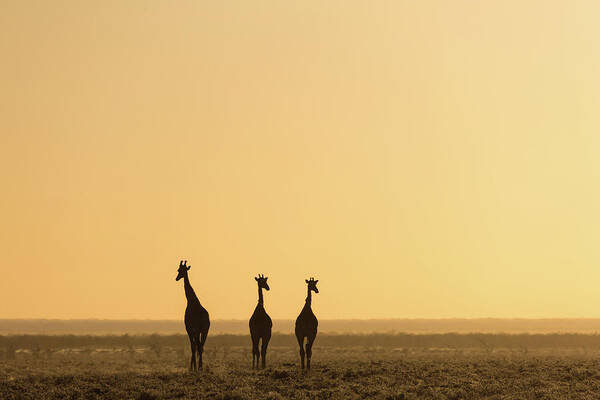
(447, 340)
(482, 325)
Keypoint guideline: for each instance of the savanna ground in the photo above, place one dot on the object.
(155, 367)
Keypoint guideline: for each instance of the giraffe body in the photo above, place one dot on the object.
(306, 325)
(260, 326)
(197, 321)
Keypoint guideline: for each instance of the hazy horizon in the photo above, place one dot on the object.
(286, 326)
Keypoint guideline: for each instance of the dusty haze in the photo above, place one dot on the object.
(349, 326)
(421, 159)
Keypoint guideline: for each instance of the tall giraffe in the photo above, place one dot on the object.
(260, 324)
(197, 321)
(306, 324)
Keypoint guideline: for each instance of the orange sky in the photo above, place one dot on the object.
(420, 158)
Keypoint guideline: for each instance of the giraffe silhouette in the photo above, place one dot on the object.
(197, 321)
(306, 324)
(260, 324)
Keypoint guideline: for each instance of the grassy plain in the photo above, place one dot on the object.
(344, 367)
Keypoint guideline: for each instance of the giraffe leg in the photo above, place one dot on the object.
(193, 348)
(197, 350)
(265, 343)
(201, 340)
(309, 344)
(253, 357)
(258, 341)
(301, 343)
(254, 351)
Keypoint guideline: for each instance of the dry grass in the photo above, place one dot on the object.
(156, 372)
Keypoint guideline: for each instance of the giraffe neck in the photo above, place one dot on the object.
(260, 295)
(309, 297)
(190, 295)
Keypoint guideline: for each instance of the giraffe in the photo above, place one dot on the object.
(260, 324)
(197, 321)
(306, 324)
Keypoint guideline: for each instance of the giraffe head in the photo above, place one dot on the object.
(262, 281)
(183, 270)
(312, 284)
